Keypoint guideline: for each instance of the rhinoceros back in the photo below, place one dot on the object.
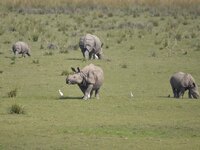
(97, 72)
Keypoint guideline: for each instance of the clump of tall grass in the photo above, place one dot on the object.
(12, 93)
(16, 109)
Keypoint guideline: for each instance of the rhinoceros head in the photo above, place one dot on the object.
(75, 78)
(194, 91)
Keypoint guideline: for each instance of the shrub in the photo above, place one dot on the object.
(1, 71)
(12, 93)
(16, 109)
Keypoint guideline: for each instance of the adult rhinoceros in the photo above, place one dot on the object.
(180, 82)
(91, 46)
(89, 79)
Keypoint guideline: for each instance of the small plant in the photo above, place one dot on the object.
(35, 37)
(12, 93)
(48, 53)
(64, 51)
(41, 46)
(16, 109)
(124, 66)
(178, 36)
(153, 54)
(110, 14)
(65, 73)
(52, 46)
(1, 71)
(36, 61)
(132, 47)
(73, 47)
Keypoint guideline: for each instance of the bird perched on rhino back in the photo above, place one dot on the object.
(89, 79)
(180, 82)
(21, 48)
(91, 46)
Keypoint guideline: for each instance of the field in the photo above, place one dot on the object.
(143, 46)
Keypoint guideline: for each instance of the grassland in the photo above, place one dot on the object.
(143, 46)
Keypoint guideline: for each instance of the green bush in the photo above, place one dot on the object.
(16, 109)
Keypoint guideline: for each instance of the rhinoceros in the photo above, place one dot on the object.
(21, 48)
(180, 82)
(91, 46)
(89, 79)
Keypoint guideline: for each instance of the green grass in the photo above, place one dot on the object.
(142, 50)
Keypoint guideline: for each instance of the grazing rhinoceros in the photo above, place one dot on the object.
(91, 46)
(89, 79)
(180, 82)
(21, 48)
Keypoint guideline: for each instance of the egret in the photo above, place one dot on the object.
(131, 94)
(60, 92)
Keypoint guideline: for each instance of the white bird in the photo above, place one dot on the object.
(131, 94)
(61, 93)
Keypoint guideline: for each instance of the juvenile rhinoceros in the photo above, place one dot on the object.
(91, 46)
(180, 82)
(21, 48)
(89, 79)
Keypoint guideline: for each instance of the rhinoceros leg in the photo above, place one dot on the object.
(88, 91)
(189, 94)
(16, 52)
(23, 55)
(86, 54)
(97, 93)
(91, 93)
(175, 93)
(83, 89)
(28, 54)
(181, 92)
(91, 55)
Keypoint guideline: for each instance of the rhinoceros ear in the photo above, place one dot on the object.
(78, 69)
(194, 84)
(73, 69)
